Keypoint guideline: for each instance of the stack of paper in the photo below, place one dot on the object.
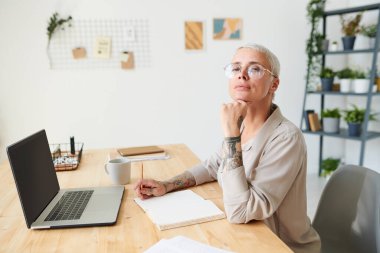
(148, 157)
(179, 209)
(182, 244)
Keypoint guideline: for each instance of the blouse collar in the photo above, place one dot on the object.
(266, 130)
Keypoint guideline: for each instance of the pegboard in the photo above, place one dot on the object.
(83, 33)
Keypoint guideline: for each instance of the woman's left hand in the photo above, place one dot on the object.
(232, 116)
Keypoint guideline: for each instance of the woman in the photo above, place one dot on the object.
(261, 167)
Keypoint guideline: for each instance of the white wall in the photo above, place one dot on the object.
(176, 100)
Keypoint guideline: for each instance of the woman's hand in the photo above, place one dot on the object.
(147, 188)
(232, 116)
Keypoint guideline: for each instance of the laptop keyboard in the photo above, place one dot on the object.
(70, 206)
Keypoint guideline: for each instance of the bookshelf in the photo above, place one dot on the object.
(324, 95)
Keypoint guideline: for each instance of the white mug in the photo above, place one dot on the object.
(119, 170)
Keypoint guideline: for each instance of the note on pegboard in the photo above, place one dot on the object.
(130, 35)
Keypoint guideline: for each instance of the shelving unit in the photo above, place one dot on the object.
(343, 133)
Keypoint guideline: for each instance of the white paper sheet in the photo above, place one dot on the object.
(178, 209)
(181, 244)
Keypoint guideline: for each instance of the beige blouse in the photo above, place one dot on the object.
(271, 186)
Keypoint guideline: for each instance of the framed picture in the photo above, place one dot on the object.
(102, 47)
(194, 35)
(227, 28)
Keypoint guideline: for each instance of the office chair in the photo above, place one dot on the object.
(348, 213)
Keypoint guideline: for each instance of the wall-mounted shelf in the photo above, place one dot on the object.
(343, 134)
(338, 93)
(356, 51)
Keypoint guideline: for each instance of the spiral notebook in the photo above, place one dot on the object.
(176, 209)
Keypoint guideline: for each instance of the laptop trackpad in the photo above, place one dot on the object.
(103, 205)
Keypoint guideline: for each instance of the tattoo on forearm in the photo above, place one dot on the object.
(181, 181)
(240, 121)
(232, 154)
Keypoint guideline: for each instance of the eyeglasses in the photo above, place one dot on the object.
(255, 70)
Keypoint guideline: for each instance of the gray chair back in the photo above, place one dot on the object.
(348, 213)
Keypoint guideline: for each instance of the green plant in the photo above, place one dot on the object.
(345, 73)
(350, 26)
(356, 115)
(331, 113)
(369, 30)
(359, 74)
(329, 165)
(327, 73)
(315, 9)
(55, 22)
(319, 41)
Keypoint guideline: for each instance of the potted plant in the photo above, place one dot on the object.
(327, 78)
(361, 82)
(322, 42)
(354, 119)
(350, 27)
(345, 76)
(328, 166)
(334, 46)
(331, 119)
(370, 32)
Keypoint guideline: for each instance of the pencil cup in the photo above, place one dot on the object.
(119, 170)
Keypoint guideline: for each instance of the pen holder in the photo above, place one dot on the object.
(62, 157)
(127, 60)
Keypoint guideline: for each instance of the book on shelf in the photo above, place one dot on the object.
(315, 125)
(306, 117)
(176, 209)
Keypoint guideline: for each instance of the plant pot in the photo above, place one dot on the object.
(371, 43)
(348, 42)
(354, 129)
(345, 85)
(334, 47)
(325, 45)
(331, 125)
(360, 85)
(79, 53)
(327, 84)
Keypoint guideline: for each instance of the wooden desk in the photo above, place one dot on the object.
(133, 232)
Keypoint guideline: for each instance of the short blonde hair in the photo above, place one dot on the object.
(271, 57)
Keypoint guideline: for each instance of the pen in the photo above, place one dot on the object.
(72, 145)
(142, 173)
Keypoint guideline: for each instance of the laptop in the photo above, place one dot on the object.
(44, 204)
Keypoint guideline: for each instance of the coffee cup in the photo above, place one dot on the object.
(119, 170)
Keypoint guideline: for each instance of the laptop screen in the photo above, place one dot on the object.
(34, 174)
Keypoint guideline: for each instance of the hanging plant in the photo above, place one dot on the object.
(315, 9)
(55, 23)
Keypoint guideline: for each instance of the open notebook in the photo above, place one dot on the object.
(181, 208)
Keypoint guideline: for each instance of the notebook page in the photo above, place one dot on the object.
(180, 208)
(184, 245)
